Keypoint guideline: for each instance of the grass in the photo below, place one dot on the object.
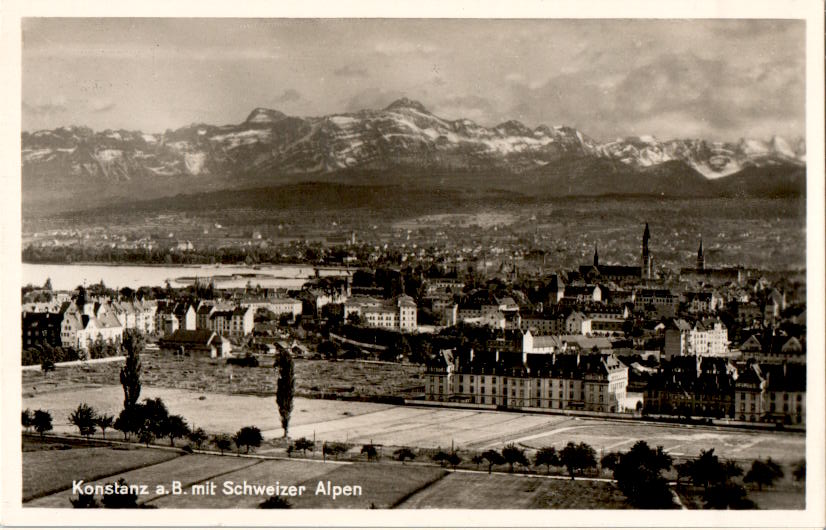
(187, 469)
(49, 471)
(383, 485)
(351, 379)
(483, 491)
(266, 472)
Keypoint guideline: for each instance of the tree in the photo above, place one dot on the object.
(222, 442)
(477, 459)
(155, 414)
(799, 472)
(42, 422)
(514, 455)
(578, 457)
(104, 421)
(334, 449)
(248, 437)
(454, 459)
(175, 427)
(130, 375)
(27, 419)
(197, 437)
(404, 453)
(146, 434)
(370, 450)
(83, 417)
(47, 366)
(639, 476)
(440, 457)
(303, 444)
(763, 473)
(84, 500)
(120, 497)
(547, 456)
(48, 285)
(130, 420)
(727, 495)
(285, 389)
(494, 458)
(610, 460)
(275, 502)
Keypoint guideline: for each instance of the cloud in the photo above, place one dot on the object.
(288, 96)
(404, 47)
(671, 95)
(101, 105)
(351, 71)
(55, 105)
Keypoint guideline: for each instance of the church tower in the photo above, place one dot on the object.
(645, 269)
(701, 262)
(596, 256)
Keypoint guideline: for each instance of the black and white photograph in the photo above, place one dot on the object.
(502, 263)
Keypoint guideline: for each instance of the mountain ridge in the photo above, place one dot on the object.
(404, 138)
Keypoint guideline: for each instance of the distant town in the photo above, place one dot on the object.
(700, 342)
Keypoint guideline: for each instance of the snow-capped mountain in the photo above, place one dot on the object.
(404, 136)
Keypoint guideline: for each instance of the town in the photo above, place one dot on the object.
(697, 343)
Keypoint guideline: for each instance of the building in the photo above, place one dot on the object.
(200, 342)
(279, 306)
(702, 302)
(703, 338)
(242, 321)
(42, 328)
(692, 386)
(515, 380)
(399, 313)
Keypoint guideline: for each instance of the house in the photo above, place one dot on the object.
(42, 328)
(703, 338)
(750, 394)
(577, 323)
(242, 321)
(692, 386)
(199, 342)
(785, 393)
(399, 313)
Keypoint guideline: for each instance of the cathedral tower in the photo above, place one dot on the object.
(646, 265)
(701, 262)
(596, 256)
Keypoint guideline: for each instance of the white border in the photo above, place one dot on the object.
(11, 12)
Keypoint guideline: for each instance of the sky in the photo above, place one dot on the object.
(714, 79)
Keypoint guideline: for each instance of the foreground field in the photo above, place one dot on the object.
(426, 427)
(346, 378)
(481, 491)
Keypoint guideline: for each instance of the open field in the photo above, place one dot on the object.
(497, 491)
(264, 472)
(348, 378)
(426, 427)
(383, 486)
(51, 471)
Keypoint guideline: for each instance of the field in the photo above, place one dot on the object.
(52, 470)
(347, 378)
(383, 486)
(497, 491)
(426, 427)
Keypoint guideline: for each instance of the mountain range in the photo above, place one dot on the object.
(403, 144)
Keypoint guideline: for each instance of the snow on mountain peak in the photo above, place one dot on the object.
(262, 115)
(406, 103)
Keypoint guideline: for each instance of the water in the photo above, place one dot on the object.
(67, 277)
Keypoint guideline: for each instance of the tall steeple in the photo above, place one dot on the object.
(596, 256)
(645, 268)
(700, 257)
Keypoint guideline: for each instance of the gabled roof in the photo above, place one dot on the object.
(184, 337)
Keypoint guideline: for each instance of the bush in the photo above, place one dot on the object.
(248, 361)
(275, 502)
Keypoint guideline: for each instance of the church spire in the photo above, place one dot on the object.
(700, 256)
(596, 256)
(645, 269)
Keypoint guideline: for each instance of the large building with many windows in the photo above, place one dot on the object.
(591, 382)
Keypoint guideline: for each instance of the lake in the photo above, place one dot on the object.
(67, 277)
